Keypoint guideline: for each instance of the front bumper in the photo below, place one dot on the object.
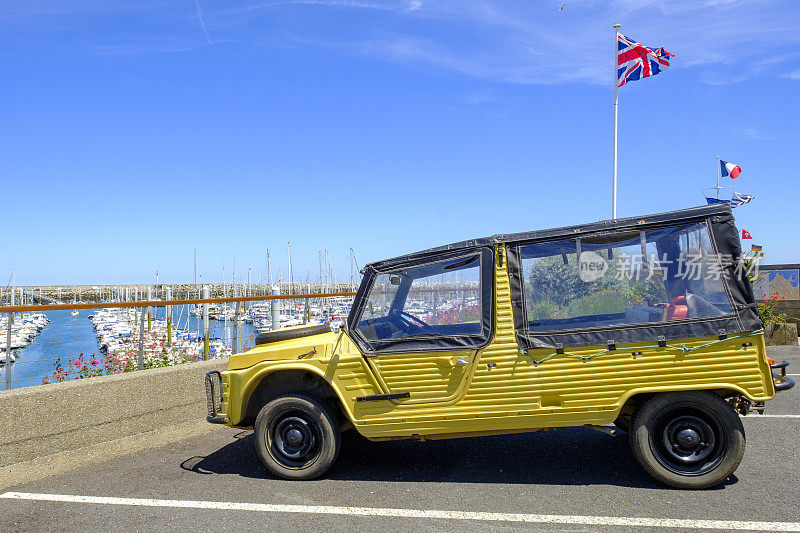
(214, 398)
(781, 380)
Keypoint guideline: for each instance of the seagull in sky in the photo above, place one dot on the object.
(562, 8)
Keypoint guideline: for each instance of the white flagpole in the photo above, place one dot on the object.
(718, 173)
(616, 102)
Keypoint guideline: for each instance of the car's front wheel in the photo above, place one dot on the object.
(688, 440)
(297, 437)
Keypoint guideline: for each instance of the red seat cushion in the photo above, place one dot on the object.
(677, 309)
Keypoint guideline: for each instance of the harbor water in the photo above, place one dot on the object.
(68, 337)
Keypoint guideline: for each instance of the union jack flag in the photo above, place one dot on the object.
(636, 61)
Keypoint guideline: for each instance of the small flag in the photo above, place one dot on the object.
(635, 61)
(746, 234)
(740, 199)
(755, 248)
(737, 199)
(716, 201)
(729, 169)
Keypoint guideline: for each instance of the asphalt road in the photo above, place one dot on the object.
(574, 473)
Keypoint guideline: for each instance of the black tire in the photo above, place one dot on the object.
(297, 437)
(687, 440)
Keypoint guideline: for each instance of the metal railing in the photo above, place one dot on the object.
(143, 334)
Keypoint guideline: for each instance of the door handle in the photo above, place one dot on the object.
(462, 361)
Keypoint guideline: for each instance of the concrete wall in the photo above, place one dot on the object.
(46, 419)
(790, 308)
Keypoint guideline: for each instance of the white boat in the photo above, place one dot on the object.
(4, 358)
(23, 331)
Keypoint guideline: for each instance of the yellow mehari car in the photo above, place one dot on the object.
(645, 325)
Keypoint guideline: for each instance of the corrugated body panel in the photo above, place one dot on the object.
(426, 376)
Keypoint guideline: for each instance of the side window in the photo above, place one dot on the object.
(622, 278)
(432, 300)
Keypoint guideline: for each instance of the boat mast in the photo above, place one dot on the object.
(327, 269)
(291, 280)
(235, 292)
(352, 278)
(319, 257)
(269, 270)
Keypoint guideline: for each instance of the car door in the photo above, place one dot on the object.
(426, 377)
(423, 323)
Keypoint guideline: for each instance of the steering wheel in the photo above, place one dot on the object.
(401, 316)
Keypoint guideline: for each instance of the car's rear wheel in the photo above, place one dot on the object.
(297, 437)
(688, 440)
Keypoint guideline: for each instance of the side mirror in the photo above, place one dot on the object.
(394, 280)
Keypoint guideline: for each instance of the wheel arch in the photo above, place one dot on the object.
(299, 378)
(633, 398)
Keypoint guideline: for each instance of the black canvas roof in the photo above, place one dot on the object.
(592, 227)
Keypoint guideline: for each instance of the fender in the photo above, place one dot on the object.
(270, 367)
(679, 388)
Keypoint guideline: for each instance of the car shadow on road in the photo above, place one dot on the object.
(564, 456)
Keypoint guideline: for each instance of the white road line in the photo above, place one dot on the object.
(770, 416)
(417, 513)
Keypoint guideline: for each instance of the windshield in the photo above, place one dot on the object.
(442, 298)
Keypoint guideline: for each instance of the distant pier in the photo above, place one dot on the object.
(65, 294)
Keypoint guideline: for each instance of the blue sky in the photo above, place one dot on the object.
(136, 131)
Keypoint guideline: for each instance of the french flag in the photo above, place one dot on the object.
(729, 169)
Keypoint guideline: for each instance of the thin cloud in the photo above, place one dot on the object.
(519, 64)
(144, 49)
(200, 18)
(515, 41)
(330, 3)
(528, 43)
(754, 134)
(476, 98)
(723, 75)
